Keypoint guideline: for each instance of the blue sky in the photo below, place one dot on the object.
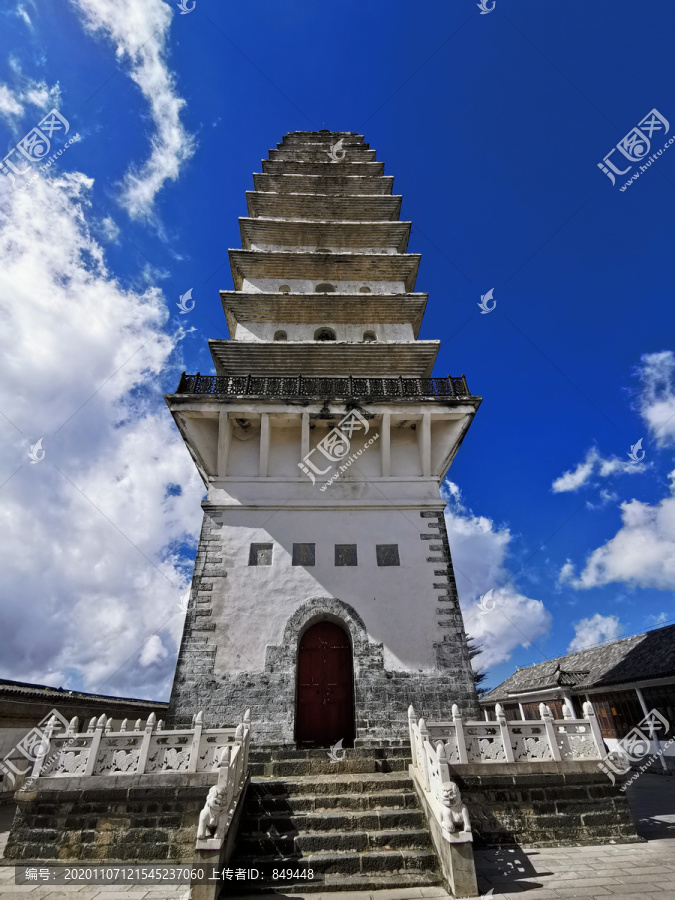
(493, 127)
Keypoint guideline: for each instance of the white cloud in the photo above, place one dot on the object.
(139, 31)
(153, 651)
(13, 101)
(593, 631)
(92, 556)
(657, 398)
(641, 553)
(479, 551)
(594, 464)
(9, 104)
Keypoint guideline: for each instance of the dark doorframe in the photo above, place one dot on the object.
(325, 696)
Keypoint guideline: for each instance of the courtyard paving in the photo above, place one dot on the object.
(644, 871)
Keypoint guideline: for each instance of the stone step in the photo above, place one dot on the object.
(272, 763)
(326, 802)
(258, 844)
(347, 862)
(322, 784)
(332, 820)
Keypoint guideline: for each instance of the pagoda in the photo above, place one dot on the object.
(323, 595)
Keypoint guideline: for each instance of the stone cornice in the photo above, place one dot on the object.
(302, 167)
(324, 266)
(338, 308)
(414, 359)
(324, 207)
(336, 182)
(347, 235)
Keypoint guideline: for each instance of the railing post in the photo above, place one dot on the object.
(424, 735)
(504, 732)
(459, 734)
(93, 747)
(47, 736)
(196, 740)
(248, 383)
(546, 715)
(411, 722)
(589, 713)
(145, 744)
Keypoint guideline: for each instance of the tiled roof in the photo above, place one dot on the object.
(637, 658)
(43, 691)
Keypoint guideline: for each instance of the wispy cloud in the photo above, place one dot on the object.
(594, 465)
(96, 544)
(595, 630)
(139, 29)
(479, 551)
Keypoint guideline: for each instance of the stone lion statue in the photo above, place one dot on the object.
(215, 806)
(455, 814)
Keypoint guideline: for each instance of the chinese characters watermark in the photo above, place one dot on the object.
(336, 445)
(635, 147)
(35, 146)
(634, 746)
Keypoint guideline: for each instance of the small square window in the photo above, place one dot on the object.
(303, 554)
(345, 555)
(260, 555)
(387, 555)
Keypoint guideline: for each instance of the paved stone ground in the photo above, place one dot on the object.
(644, 871)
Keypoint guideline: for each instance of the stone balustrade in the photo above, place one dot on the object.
(140, 750)
(502, 741)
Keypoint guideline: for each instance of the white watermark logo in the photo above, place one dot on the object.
(336, 153)
(33, 746)
(336, 445)
(35, 145)
(635, 147)
(335, 751)
(634, 746)
(184, 8)
(635, 452)
(484, 8)
(484, 304)
(485, 601)
(184, 602)
(183, 305)
(36, 453)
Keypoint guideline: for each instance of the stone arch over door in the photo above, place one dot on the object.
(367, 655)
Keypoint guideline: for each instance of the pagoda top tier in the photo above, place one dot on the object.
(323, 284)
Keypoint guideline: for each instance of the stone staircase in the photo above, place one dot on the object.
(356, 823)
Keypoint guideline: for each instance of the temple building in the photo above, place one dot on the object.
(323, 596)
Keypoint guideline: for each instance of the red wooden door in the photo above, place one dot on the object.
(325, 708)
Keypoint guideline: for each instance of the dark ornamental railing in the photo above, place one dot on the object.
(303, 386)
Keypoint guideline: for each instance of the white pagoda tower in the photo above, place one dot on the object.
(323, 595)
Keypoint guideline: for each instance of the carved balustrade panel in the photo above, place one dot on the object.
(71, 755)
(118, 754)
(484, 743)
(169, 752)
(211, 747)
(446, 733)
(434, 771)
(529, 743)
(575, 739)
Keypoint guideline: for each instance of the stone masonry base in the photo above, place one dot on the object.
(154, 818)
(544, 804)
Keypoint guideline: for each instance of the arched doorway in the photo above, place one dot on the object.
(325, 699)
